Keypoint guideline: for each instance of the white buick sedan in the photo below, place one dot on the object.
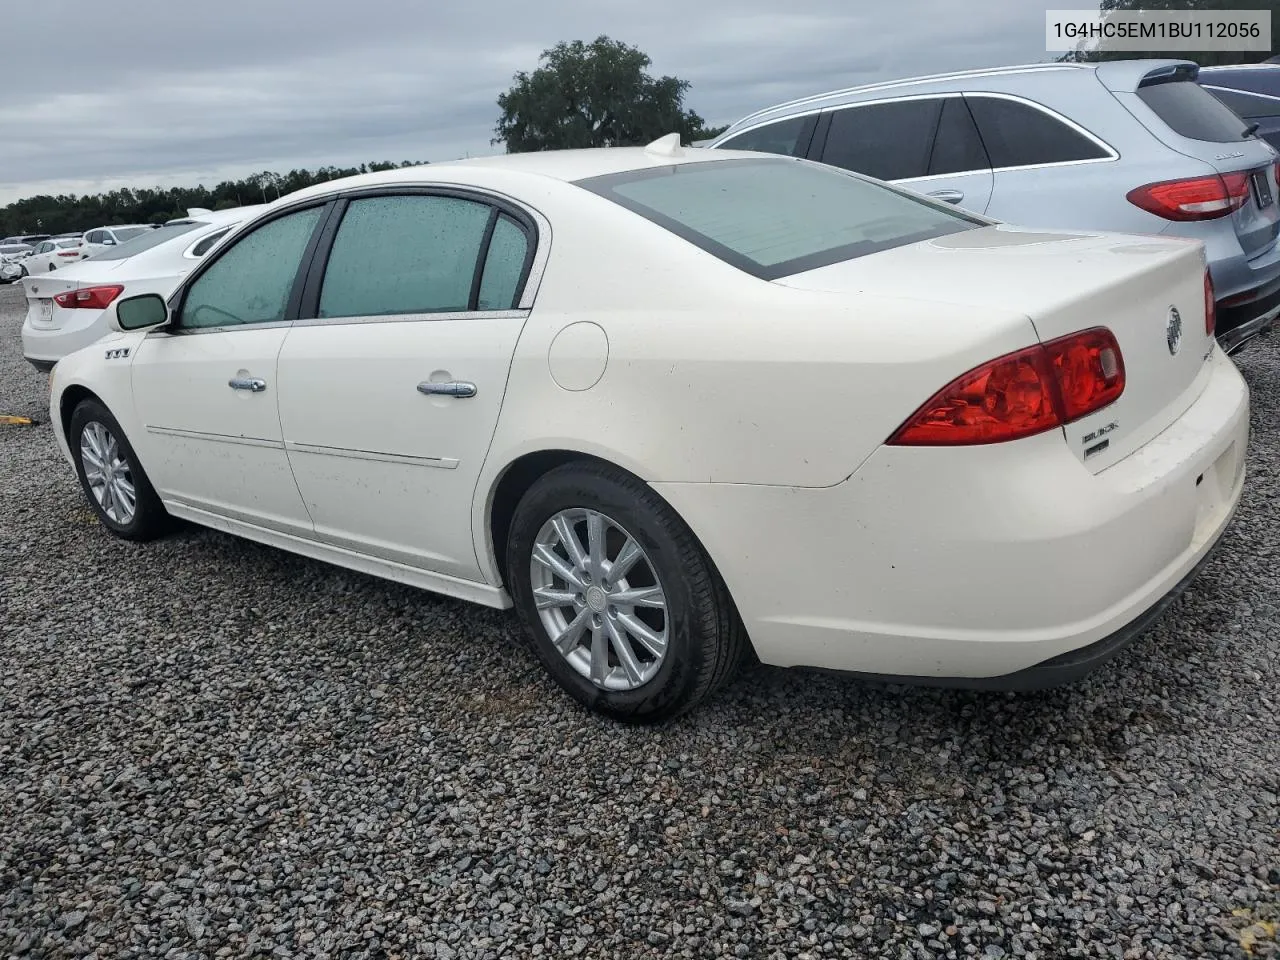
(679, 409)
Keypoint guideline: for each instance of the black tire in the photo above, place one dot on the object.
(150, 519)
(705, 638)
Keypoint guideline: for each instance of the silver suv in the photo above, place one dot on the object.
(1133, 146)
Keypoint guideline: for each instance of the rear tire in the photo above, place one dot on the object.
(112, 477)
(606, 557)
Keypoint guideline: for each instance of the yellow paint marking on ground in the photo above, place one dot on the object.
(7, 421)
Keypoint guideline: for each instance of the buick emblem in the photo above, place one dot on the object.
(1173, 331)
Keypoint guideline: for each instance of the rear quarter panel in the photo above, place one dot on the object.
(715, 376)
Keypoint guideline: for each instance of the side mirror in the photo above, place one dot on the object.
(108, 242)
(141, 312)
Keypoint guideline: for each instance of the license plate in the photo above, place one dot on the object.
(46, 311)
(1262, 190)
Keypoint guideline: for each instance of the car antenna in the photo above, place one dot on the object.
(668, 146)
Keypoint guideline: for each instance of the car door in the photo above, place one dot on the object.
(205, 386)
(1043, 162)
(39, 260)
(392, 379)
(926, 144)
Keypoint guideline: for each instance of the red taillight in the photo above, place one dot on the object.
(68, 253)
(89, 298)
(1200, 198)
(1210, 306)
(1021, 394)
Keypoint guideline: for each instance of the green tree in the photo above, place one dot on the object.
(1204, 57)
(593, 95)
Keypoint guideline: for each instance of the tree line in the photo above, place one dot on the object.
(68, 212)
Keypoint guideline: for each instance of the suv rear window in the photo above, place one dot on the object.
(1191, 111)
(773, 217)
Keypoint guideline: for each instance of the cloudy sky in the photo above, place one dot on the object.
(99, 94)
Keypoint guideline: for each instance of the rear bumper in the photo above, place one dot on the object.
(1064, 668)
(1240, 323)
(968, 566)
(77, 329)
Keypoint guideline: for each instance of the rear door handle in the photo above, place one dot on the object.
(947, 196)
(447, 388)
(252, 384)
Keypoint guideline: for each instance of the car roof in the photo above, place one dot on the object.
(1116, 74)
(561, 165)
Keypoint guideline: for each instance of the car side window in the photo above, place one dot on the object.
(204, 246)
(1018, 135)
(957, 147)
(503, 266)
(413, 253)
(788, 137)
(252, 280)
(888, 141)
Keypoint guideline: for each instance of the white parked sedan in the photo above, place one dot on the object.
(52, 254)
(677, 406)
(66, 311)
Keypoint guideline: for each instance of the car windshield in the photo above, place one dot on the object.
(775, 217)
(151, 238)
(10, 248)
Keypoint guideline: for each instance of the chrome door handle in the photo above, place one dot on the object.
(247, 383)
(947, 196)
(448, 388)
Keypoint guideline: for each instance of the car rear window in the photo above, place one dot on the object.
(66, 244)
(1191, 111)
(152, 238)
(128, 233)
(776, 217)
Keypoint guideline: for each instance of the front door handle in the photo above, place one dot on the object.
(447, 388)
(253, 384)
(947, 196)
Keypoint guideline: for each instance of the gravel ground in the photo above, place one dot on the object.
(210, 748)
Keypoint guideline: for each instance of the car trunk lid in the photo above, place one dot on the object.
(1065, 283)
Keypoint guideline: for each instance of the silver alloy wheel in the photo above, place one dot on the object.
(108, 473)
(599, 599)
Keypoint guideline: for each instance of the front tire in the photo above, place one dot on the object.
(625, 609)
(111, 476)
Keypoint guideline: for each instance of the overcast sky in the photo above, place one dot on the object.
(99, 94)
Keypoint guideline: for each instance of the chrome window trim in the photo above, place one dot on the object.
(518, 314)
(933, 78)
(1112, 154)
(225, 328)
(1242, 93)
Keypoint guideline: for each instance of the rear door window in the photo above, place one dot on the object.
(1192, 112)
(888, 141)
(407, 254)
(788, 137)
(1017, 134)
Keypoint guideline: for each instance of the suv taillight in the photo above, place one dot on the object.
(1199, 198)
(1021, 394)
(89, 298)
